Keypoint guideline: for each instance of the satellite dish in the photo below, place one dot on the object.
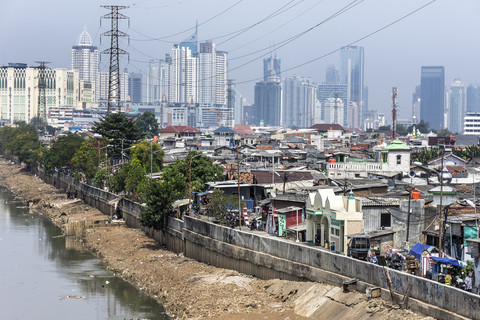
(411, 174)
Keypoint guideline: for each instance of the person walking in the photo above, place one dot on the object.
(468, 282)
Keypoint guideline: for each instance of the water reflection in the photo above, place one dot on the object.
(39, 268)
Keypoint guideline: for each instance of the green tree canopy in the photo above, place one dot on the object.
(401, 130)
(422, 126)
(61, 151)
(146, 151)
(22, 142)
(444, 132)
(120, 131)
(147, 124)
(85, 159)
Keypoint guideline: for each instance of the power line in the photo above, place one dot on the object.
(283, 43)
(350, 44)
(189, 29)
(270, 16)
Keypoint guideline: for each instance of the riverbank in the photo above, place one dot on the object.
(187, 288)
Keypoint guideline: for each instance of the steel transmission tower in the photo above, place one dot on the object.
(42, 95)
(115, 52)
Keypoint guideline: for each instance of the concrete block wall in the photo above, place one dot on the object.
(300, 260)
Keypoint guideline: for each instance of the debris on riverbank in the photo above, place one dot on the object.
(187, 288)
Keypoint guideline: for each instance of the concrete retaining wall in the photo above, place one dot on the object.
(268, 257)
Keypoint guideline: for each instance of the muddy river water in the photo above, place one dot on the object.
(44, 275)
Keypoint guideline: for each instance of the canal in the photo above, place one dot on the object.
(44, 275)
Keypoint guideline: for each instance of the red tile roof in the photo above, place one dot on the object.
(179, 129)
(324, 127)
(243, 129)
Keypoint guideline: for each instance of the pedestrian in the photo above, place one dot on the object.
(373, 258)
(468, 282)
(369, 253)
(448, 279)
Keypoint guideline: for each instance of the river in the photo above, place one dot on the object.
(44, 275)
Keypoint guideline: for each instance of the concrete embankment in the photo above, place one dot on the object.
(190, 289)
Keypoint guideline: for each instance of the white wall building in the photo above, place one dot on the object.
(471, 123)
(103, 86)
(333, 111)
(19, 91)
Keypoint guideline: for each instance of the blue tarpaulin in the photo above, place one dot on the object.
(453, 262)
(417, 250)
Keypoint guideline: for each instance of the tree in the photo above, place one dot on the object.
(217, 205)
(120, 131)
(42, 126)
(147, 124)
(401, 130)
(85, 159)
(24, 143)
(444, 133)
(144, 150)
(135, 178)
(61, 151)
(160, 196)
(425, 155)
(383, 128)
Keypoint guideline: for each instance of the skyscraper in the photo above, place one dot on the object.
(153, 79)
(473, 98)
(85, 60)
(352, 73)
(416, 96)
(299, 97)
(271, 69)
(328, 91)
(212, 75)
(268, 101)
(135, 87)
(332, 75)
(432, 101)
(456, 106)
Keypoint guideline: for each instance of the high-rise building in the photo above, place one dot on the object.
(212, 75)
(272, 69)
(153, 82)
(328, 91)
(268, 101)
(333, 111)
(473, 98)
(135, 87)
(19, 91)
(352, 73)
(332, 75)
(416, 96)
(85, 60)
(102, 81)
(432, 101)
(456, 106)
(299, 97)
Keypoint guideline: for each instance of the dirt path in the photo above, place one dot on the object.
(187, 288)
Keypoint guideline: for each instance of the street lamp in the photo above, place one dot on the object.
(190, 183)
(99, 149)
(123, 154)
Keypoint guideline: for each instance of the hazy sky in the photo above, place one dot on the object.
(443, 33)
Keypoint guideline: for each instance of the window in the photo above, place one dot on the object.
(385, 220)
(399, 159)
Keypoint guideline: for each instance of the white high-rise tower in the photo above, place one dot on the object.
(85, 60)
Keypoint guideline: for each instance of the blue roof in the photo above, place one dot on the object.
(223, 130)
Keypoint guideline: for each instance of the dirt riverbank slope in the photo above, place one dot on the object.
(187, 288)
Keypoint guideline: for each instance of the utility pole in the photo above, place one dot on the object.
(115, 52)
(394, 112)
(441, 203)
(42, 94)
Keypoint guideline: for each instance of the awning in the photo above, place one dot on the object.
(180, 203)
(453, 262)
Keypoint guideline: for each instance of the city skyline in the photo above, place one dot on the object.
(393, 57)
